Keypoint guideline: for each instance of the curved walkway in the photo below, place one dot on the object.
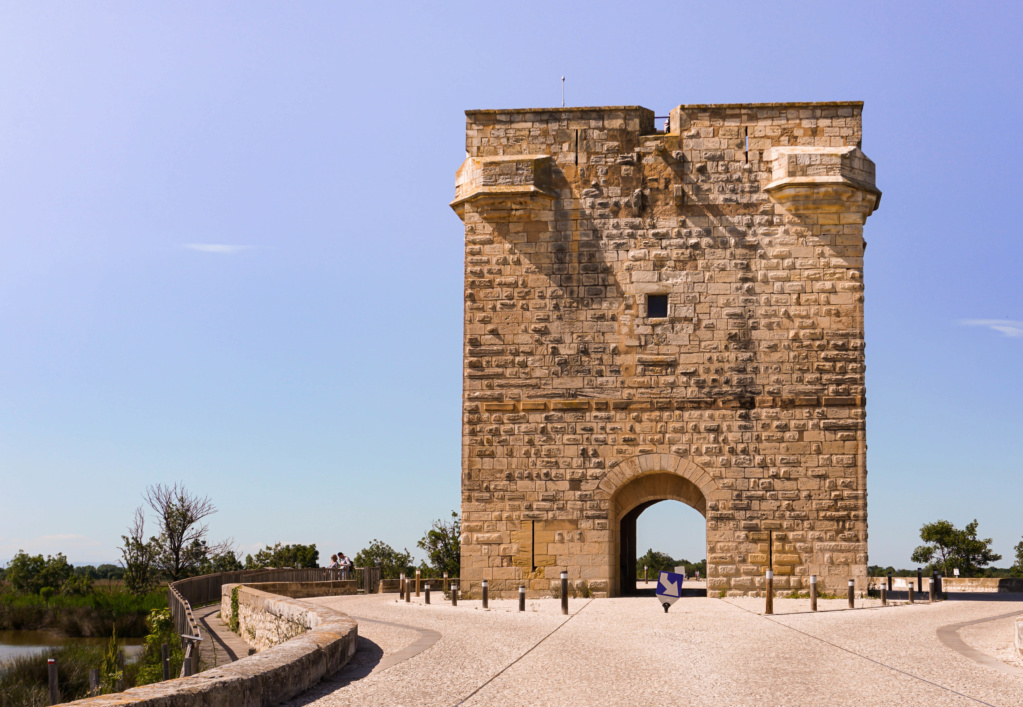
(949, 635)
(620, 651)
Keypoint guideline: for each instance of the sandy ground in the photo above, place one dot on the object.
(620, 651)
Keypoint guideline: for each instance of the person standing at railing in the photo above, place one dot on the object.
(334, 567)
(346, 565)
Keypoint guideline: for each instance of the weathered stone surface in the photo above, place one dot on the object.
(747, 401)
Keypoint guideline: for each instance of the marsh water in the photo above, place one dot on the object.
(14, 644)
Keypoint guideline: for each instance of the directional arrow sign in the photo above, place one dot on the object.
(669, 588)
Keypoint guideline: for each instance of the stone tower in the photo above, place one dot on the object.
(664, 315)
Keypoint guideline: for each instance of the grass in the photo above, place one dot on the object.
(24, 681)
(81, 616)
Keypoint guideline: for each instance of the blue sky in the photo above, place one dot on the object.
(227, 259)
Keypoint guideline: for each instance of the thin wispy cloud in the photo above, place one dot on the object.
(1003, 326)
(218, 248)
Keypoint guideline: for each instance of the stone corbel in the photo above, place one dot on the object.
(814, 179)
(505, 187)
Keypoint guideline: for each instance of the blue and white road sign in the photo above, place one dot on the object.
(669, 588)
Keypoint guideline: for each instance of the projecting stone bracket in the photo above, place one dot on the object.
(503, 188)
(815, 179)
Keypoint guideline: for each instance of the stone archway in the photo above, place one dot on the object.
(635, 485)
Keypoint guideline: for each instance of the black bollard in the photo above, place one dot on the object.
(939, 578)
(884, 596)
(919, 581)
(813, 592)
(486, 596)
(930, 590)
(454, 594)
(165, 660)
(564, 592)
(401, 587)
(910, 584)
(426, 593)
(769, 606)
(889, 582)
(51, 669)
(522, 598)
(408, 590)
(852, 587)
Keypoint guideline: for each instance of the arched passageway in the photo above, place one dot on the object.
(628, 502)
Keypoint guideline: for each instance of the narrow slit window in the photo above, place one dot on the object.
(532, 544)
(656, 306)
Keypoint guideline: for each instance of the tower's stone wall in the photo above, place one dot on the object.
(746, 401)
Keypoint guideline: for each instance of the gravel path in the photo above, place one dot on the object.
(619, 651)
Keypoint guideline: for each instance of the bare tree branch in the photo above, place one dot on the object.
(182, 540)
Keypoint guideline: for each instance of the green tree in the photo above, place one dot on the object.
(280, 555)
(390, 561)
(181, 549)
(443, 546)
(224, 561)
(28, 574)
(138, 557)
(1017, 568)
(948, 548)
(655, 562)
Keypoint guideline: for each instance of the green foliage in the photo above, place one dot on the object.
(181, 548)
(138, 556)
(391, 562)
(279, 555)
(948, 548)
(111, 673)
(28, 574)
(160, 625)
(87, 615)
(233, 622)
(443, 547)
(1017, 568)
(657, 562)
(76, 585)
(104, 571)
(221, 561)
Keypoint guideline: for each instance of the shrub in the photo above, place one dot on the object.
(161, 630)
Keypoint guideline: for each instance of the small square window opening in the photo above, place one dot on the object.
(656, 306)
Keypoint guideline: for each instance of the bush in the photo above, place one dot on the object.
(161, 630)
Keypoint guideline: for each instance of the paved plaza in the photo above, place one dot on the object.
(711, 651)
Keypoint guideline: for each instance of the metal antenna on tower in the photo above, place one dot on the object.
(562, 91)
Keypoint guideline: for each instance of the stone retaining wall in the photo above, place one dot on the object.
(317, 642)
(300, 590)
(960, 584)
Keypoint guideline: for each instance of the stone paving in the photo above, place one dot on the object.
(221, 645)
(622, 651)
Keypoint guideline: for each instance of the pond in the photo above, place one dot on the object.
(14, 644)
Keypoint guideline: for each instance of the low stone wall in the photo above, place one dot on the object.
(960, 584)
(1019, 637)
(300, 590)
(300, 643)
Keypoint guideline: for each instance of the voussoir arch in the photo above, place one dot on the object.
(641, 465)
